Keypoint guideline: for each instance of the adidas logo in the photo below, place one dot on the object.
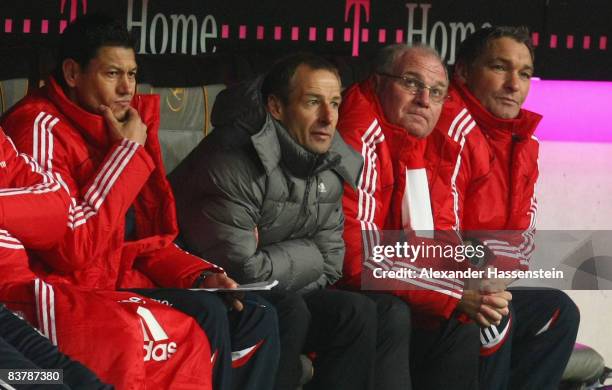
(155, 338)
(322, 188)
(2, 164)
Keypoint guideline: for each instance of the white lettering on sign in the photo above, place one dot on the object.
(445, 37)
(180, 33)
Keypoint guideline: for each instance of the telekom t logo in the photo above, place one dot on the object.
(73, 8)
(357, 5)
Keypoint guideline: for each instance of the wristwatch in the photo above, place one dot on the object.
(200, 279)
(476, 260)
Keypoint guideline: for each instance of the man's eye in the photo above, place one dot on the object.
(132, 74)
(436, 93)
(335, 104)
(411, 83)
(498, 67)
(312, 102)
(112, 73)
(526, 75)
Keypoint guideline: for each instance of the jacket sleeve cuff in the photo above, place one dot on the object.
(141, 153)
(213, 268)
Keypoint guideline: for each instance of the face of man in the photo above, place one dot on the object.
(108, 79)
(311, 114)
(416, 113)
(500, 77)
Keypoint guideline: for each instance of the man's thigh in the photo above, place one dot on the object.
(337, 314)
(203, 306)
(222, 323)
(539, 309)
(135, 339)
(445, 356)
(10, 358)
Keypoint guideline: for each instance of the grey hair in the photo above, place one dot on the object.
(388, 55)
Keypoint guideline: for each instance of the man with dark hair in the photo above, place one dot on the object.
(494, 202)
(99, 140)
(261, 196)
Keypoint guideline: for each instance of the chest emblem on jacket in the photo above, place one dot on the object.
(322, 188)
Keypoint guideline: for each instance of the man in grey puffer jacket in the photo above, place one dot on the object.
(261, 197)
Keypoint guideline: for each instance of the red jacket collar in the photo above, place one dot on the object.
(367, 88)
(410, 148)
(92, 126)
(522, 126)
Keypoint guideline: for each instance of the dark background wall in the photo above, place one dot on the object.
(194, 42)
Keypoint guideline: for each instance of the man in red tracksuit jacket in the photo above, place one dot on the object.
(493, 183)
(388, 119)
(33, 211)
(99, 140)
(33, 215)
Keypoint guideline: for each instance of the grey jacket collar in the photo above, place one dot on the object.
(275, 146)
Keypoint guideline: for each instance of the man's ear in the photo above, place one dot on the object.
(275, 107)
(461, 72)
(71, 70)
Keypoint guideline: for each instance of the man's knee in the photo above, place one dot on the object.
(569, 314)
(262, 315)
(208, 309)
(356, 312)
(394, 318)
(292, 309)
(464, 341)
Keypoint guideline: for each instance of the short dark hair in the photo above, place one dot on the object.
(474, 45)
(277, 81)
(85, 36)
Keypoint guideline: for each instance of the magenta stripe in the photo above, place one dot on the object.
(382, 35)
(399, 36)
(312, 34)
(586, 42)
(553, 41)
(365, 35)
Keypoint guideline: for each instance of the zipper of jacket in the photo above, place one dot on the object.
(304, 210)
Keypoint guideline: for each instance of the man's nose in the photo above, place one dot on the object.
(512, 82)
(422, 97)
(125, 85)
(326, 113)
